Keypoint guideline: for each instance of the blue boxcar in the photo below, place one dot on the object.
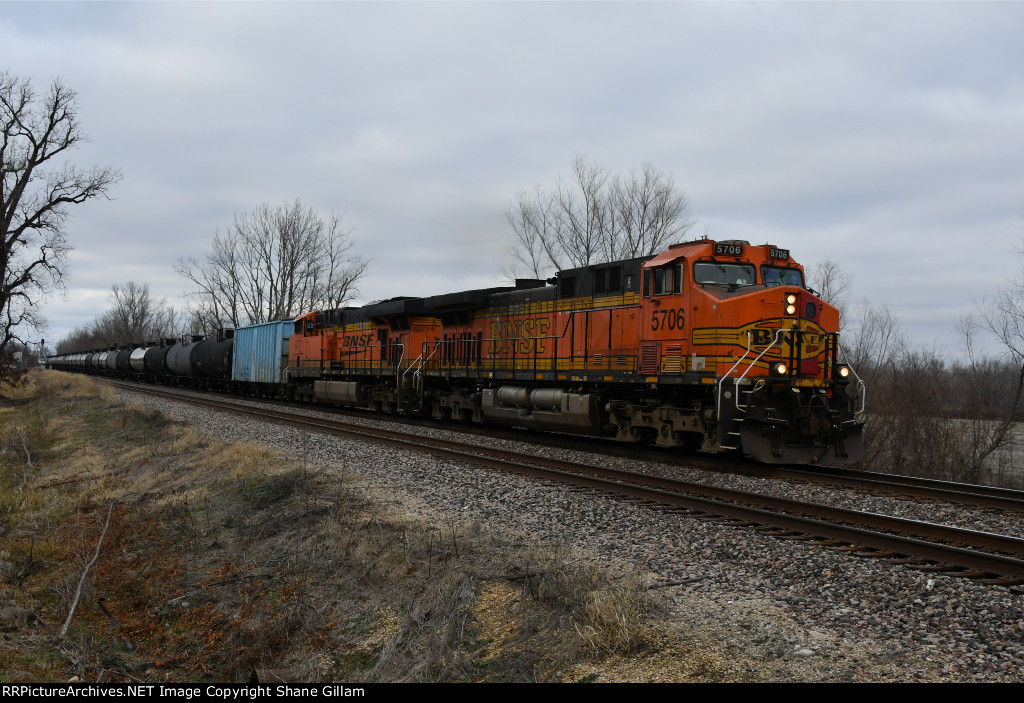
(261, 352)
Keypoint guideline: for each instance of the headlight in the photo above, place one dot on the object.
(779, 368)
(791, 303)
(841, 372)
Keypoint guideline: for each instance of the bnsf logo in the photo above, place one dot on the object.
(357, 340)
(811, 341)
(520, 336)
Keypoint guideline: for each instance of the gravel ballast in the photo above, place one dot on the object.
(771, 609)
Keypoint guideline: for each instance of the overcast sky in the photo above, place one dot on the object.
(887, 137)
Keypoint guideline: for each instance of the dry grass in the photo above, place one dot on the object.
(223, 558)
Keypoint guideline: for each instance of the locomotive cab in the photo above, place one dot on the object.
(780, 396)
(663, 329)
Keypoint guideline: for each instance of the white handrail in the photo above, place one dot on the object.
(860, 384)
(411, 364)
(736, 382)
(419, 363)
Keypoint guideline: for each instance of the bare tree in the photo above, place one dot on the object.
(532, 223)
(1001, 316)
(274, 262)
(989, 391)
(594, 217)
(338, 278)
(133, 317)
(833, 285)
(563, 228)
(648, 213)
(216, 301)
(874, 341)
(35, 192)
(79, 339)
(580, 213)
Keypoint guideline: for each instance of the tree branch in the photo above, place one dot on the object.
(85, 572)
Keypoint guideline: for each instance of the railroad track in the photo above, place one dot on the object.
(967, 553)
(898, 485)
(912, 487)
(909, 487)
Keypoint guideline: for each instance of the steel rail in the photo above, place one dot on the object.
(975, 494)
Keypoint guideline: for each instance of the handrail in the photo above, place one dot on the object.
(420, 362)
(414, 362)
(736, 382)
(398, 367)
(751, 365)
(750, 339)
(860, 384)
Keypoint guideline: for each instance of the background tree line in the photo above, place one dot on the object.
(133, 316)
(930, 414)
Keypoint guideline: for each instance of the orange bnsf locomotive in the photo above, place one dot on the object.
(709, 345)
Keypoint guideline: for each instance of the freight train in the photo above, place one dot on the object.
(710, 345)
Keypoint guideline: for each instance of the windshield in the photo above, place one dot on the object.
(777, 276)
(724, 274)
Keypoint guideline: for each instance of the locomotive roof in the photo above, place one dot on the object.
(678, 251)
(708, 248)
(462, 299)
(478, 298)
(582, 281)
(395, 306)
(625, 263)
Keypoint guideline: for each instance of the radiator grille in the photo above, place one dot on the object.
(650, 357)
(673, 360)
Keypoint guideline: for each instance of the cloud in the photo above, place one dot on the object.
(884, 136)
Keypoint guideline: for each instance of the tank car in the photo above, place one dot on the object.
(179, 359)
(137, 360)
(111, 360)
(211, 360)
(155, 360)
(122, 362)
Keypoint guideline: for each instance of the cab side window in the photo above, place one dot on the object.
(668, 280)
